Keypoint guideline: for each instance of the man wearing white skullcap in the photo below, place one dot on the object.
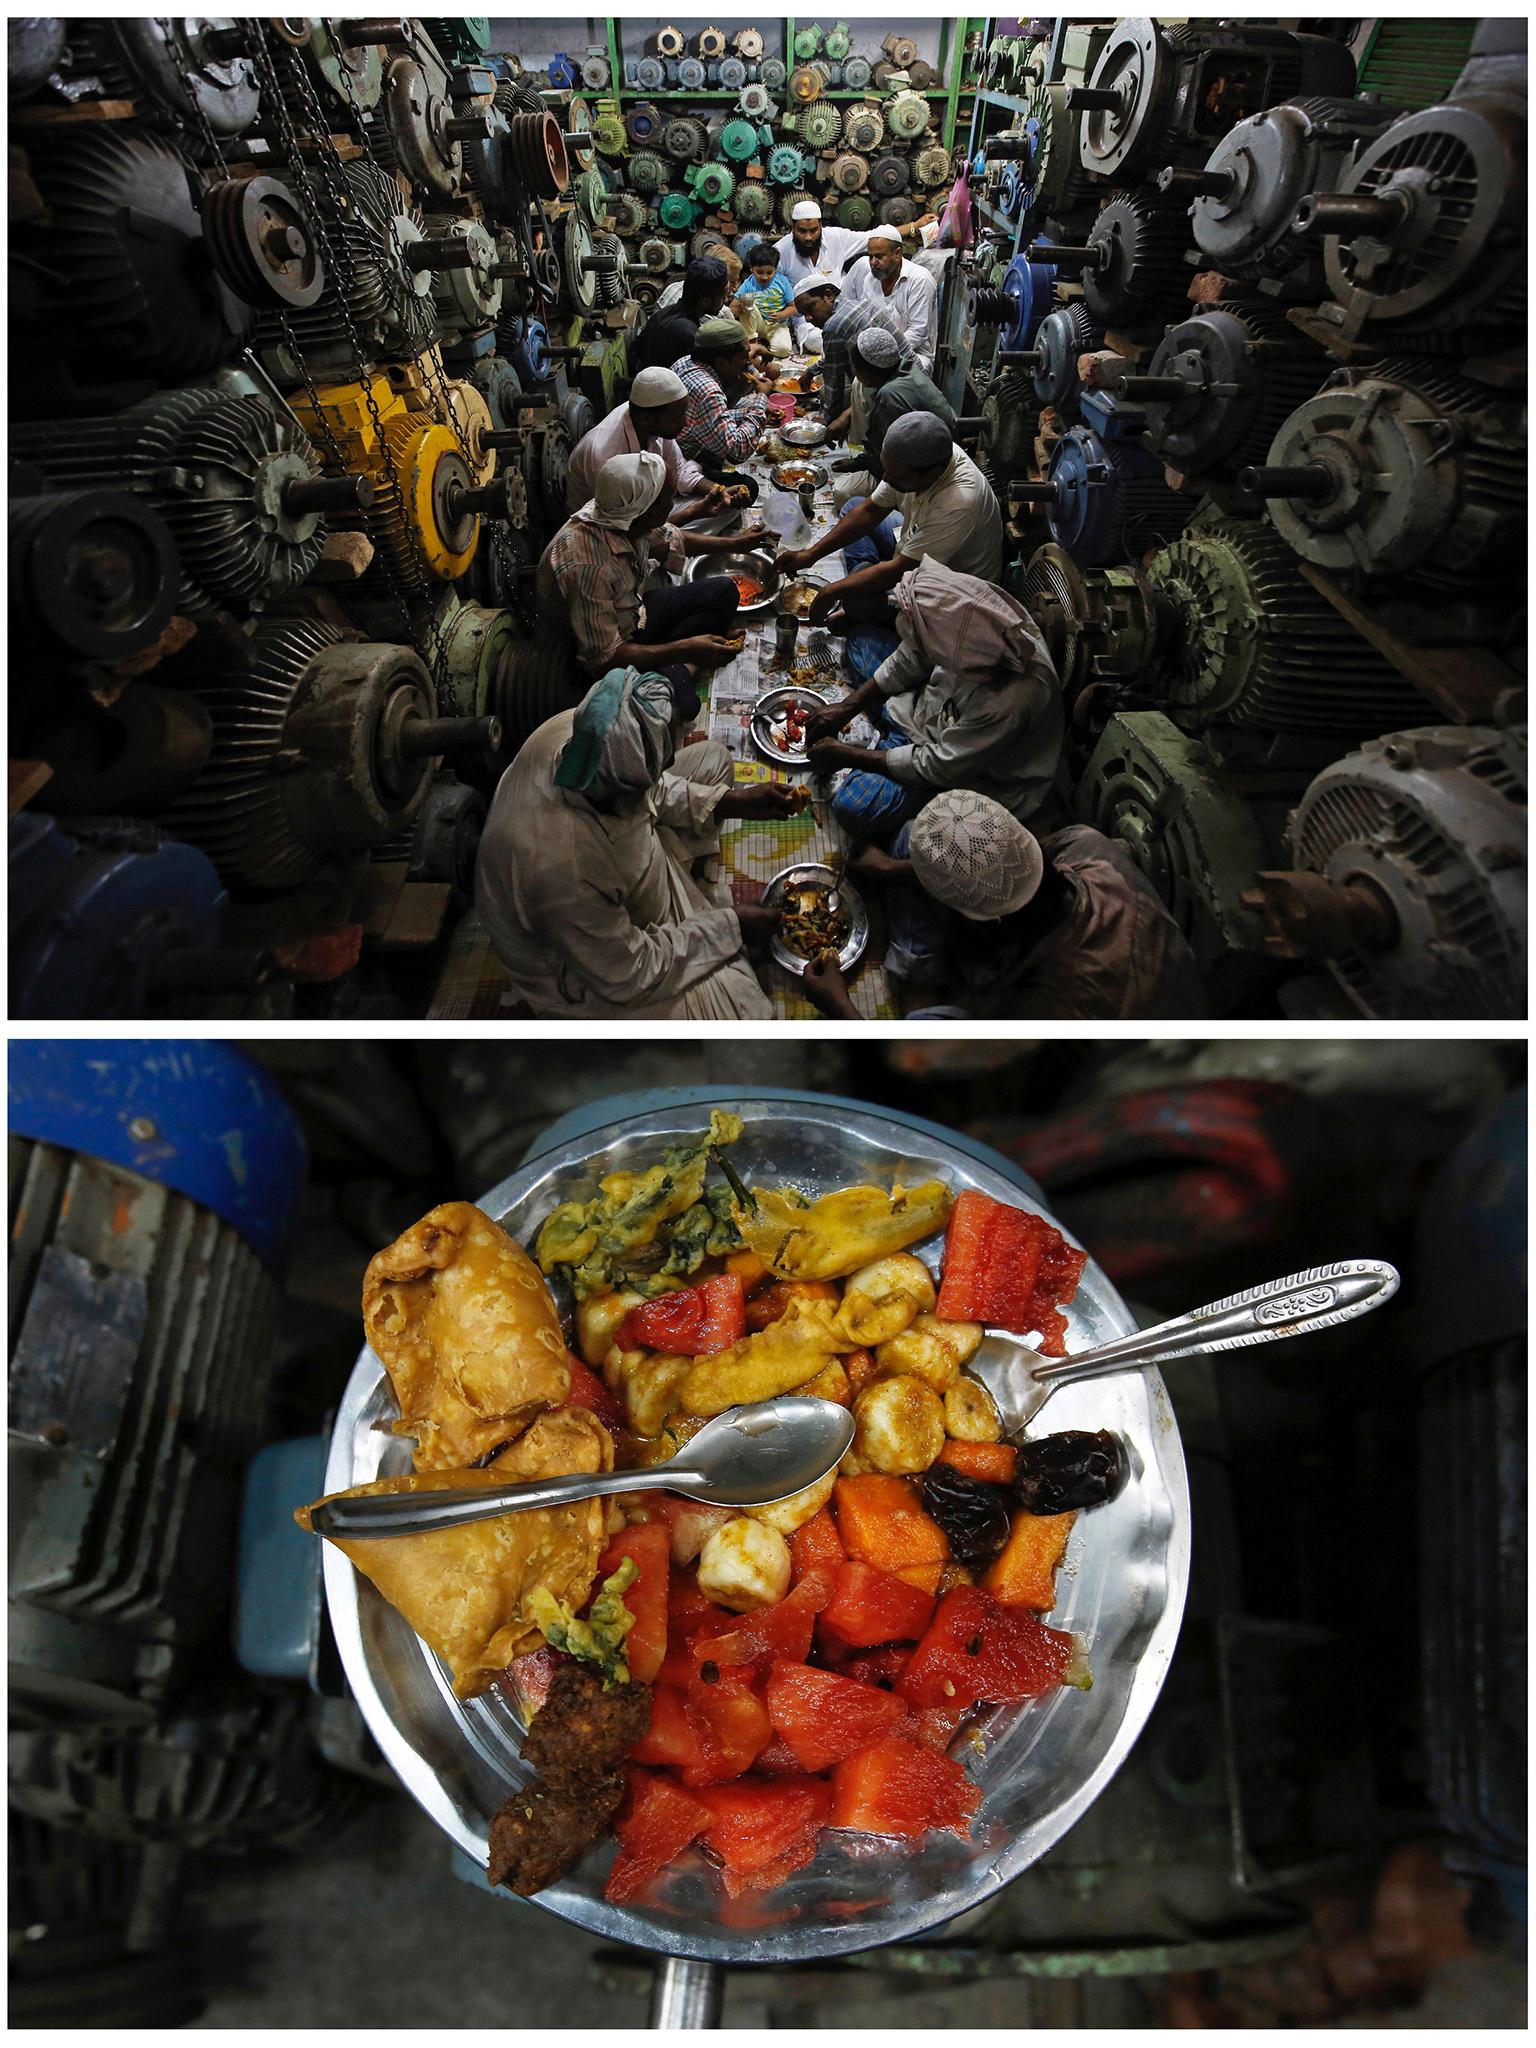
(653, 418)
(593, 576)
(812, 245)
(894, 383)
(947, 510)
(1064, 927)
(885, 277)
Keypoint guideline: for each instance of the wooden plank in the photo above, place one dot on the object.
(26, 779)
(1467, 683)
(82, 113)
(420, 912)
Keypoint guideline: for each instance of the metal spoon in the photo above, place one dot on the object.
(745, 1458)
(1020, 1381)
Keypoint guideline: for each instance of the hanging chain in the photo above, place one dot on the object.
(340, 204)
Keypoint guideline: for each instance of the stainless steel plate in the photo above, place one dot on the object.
(1045, 1762)
(849, 900)
(767, 712)
(803, 433)
(761, 568)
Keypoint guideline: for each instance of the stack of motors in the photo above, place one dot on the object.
(1107, 498)
(1159, 93)
(1410, 882)
(1257, 645)
(1401, 468)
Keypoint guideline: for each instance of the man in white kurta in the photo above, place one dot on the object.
(597, 875)
(910, 295)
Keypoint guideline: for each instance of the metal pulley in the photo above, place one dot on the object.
(261, 242)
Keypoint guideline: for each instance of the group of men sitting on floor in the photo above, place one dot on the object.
(599, 876)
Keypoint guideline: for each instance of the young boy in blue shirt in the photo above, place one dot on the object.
(765, 300)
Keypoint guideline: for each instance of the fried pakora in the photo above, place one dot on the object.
(822, 1240)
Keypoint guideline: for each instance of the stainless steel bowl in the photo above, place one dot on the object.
(766, 713)
(1044, 1762)
(849, 901)
(803, 433)
(761, 568)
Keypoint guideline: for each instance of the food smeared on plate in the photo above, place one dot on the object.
(812, 924)
(748, 589)
(692, 1675)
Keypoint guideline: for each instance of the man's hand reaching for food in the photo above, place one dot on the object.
(826, 988)
(758, 924)
(763, 800)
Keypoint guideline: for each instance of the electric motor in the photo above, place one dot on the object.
(1132, 264)
(691, 74)
(756, 102)
(906, 116)
(467, 294)
(739, 140)
(857, 73)
(713, 184)
(1018, 305)
(236, 481)
(819, 125)
(191, 75)
(1426, 233)
(888, 176)
(1157, 92)
(1220, 383)
(323, 744)
(145, 1320)
(1169, 801)
(117, 280)
(1107, 499)
(896, 213)
(1245, 197)
(807, 82)
(110, 918)
(1401, 468)
(848, 173)
(855, 213)
(864, 128)
(424, 515)
(754, 206)
(420, 134)
(1410, 875)
(931, 166)
(94, 577)
(1056, 182)
(684, 140)
(786, 165)
(643, 125)
(1062, 336)
(1102, 626)
(473, 639)
(1010, 419)
(1255, 644)
(677, 210)
(647, 174)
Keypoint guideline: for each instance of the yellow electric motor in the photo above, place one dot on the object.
(424, 520)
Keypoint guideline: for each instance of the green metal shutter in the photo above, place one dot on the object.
(1415, 63)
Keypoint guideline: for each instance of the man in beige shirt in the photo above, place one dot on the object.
(947, 511)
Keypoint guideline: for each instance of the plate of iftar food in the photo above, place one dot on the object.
(836, 1721)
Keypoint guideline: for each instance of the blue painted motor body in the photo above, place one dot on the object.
(1112, 501)
(94, 906)
(1032, 288)
(531, 358)
(194, 1113)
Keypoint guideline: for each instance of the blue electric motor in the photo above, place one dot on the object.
(1109, 500)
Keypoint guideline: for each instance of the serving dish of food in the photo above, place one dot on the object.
(824, 913)
(801, 1757)
(798, 596)
(754, 574)
(778, 724)
(803, 433)
(794, 476)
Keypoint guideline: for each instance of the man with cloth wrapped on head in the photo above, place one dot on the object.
(593, 579)
(969, 700)
(885, 277)
(947, 511)
(655, 415)
(988, 921)
(598, 871)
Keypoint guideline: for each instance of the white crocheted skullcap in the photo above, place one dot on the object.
(878, 347)
(805, 209)
(886, 233)
(816, 281)
(970, 854)
(656, 387)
